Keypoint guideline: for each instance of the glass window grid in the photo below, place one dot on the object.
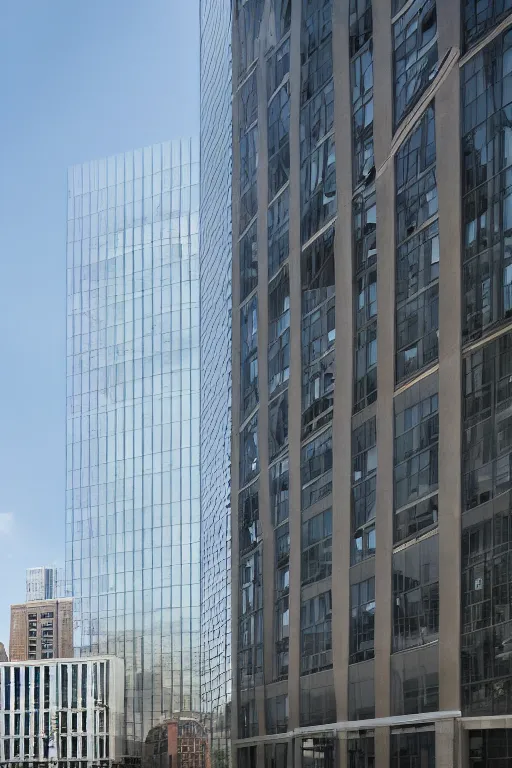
(278, 425)
(478, 18)
(318, 706)
(130, 230)
(361, 691)
(276, 755)
(282, 605)
(316, 469)
(316, 561)
(415, 681)
(279, 140)
(278, 331)
(317, 120)
(362, 621)
(316, 46)
(277, 717)
(249, 357)
(249, 453)
(416, 594)
(279, 491)
(487, 202)
(248, 17)
(364, 482)
(361, 75)
(316, 634)
(248, 177)
(413, 748)
(278, 67)
(360, 24)
(361, 751)
(249, 526)
(487, 440)
(318, 189)
(414, 55)
(278, 230)
(248, 250)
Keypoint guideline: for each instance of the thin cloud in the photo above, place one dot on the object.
(6, 523)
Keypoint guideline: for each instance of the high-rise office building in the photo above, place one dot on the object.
(44, 583)
(215, 274)
(372, 369)
(133, 517)
(41, 630)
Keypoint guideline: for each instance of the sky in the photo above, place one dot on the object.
(79, 80)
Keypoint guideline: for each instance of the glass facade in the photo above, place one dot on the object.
(215, 276)
(133, 507)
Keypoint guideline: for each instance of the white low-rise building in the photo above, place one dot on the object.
(67, 713)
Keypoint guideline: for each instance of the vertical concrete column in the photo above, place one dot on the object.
(343, 398)
(446, 744)
(235, 399)
(260, 756)
(447, 109)
(295, 383)
(385, 193)
(341, 751)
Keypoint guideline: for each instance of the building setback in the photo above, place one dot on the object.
(132, 515)
(41, 630)
(371, 469)
(65, 713)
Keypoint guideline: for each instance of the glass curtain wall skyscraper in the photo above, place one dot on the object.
(132, 501)
(215, 272)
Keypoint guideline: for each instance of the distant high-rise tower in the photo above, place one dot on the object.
(132, 513)
(41, 629)
(44, 583)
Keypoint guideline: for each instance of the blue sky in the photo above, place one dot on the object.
(79, 79)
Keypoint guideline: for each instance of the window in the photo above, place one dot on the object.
(17, 688)
(277, 714)
(278, 222)
(360, 21)
(486, 625)
(415, 681)
(317, 706)
(316, 469)
(250, 653)
(279, 491)
(365, 384)
(249, 458)
(412, 747)
(282, 638)
(487, 202)
(317, 272)
(415, 54)
(248, 249)
(278, 425)
(416, 459)
(488, 747)
(364, 479)
(316, 46)
(278, 66)
(246, 756)
(318, 189)
(316, 633)
(362, 620)
(416, 594)
(278, 310)
(248, 177)
(318, 339)
(362, 117)
(276, 755)
(247, 726)
(47, 615)
(279, 140)
(249, 356)
(487, 435)
(248, 20)
(317, 548)
(361, 691)
(249, 530)
(251, 584)
(361, 751)
(317, 119)
(480, 17)
(282, 545)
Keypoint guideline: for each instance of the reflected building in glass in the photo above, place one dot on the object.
(215, 273)
(132, 502)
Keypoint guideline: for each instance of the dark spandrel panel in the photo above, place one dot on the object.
(487, 202)
(315, 46)
(362, 621)
(278, 425)
(491, 748)
(415, 681)
(480, 17)
(364, 483)
(415, 55)
(416, 594)
(278, 228)
(361, 24)
(248, 17)
(413, 748)
(279, 140)
(316, 469)
(316, 634)
(361, 691)
(317, 706)
(248, 250)
(249, 454)
(487, 440)
(316, 560)
(249, 357)
(279, 491)
(361, 75)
